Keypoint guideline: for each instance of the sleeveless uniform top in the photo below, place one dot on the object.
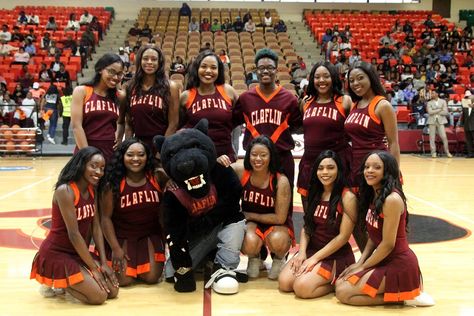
(271, 116)
(85, 210)
(257, 200)
(136, 214)
(147, 115)
(99, 116)
(217, 109)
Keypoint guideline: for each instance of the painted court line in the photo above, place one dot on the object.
(441, 209)
(2, 197)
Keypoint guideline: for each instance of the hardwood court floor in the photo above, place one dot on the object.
(436, 187)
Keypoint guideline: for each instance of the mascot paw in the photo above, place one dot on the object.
(184, 282)
(223, 282)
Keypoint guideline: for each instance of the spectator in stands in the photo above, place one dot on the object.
(418, 81)
(250, 26)
(251, 76)
(433, 73)
(226, 26)
(463, 45)
(397, 26)
(345, 46)
(51, 24)
(432, 57)
(72, 23)
(45, 75)
(54, 66)
(24, 114)
(431, 40)
(247, 16)
(335, 30)
(31, 35)
(193, 26)
(298, 74)
(238, 25)
(424, 50)
(95, 25)
(397, 96)
(418, 59)
(65, 112)
(6, 49)
(216, 26)
(445, 56)
(37, 92)
(124, 56)
(45, 41)
(454, 110)
(85, 18)
(280, 27)
(50, 104)
(88, 40)
(70, 44)
(387, 38)
(437, 112)
(332, 48)
(17, 35)
(22, 18)
(185, 10)
(62, 75)
(30, 48)
(224, 58)
(207, 46)
(146, 31)
(467, 31)
(134, 30)
(410, 38)
(386, 52)
(267, 21)
(405, 58)
(419, 111)
(5, 34)
(444, 85)
(205, 25)
(178, 66)
(346, 33)
(18, 94)
(21, 57)
(468, 60)
(409, 92)
(429, 23)
(467, 120)
(33, 19)
(426, 34)
(327, 37)
(451, 74)
(407, 28)
(355, 56)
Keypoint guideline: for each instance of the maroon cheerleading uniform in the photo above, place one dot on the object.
(217, 109)
(136, 220)
(148, 117)
(367, 134)
(323, 126)
(57, 264)
(323, 233)
(99, 121)
(262, 201)
(400, 268)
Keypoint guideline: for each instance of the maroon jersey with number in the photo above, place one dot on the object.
(147, 115)
(99, 116)
(323, 126)
(217, 109)
(366, 132)
(272, 116)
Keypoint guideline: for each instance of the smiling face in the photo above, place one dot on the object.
(112, 75)
(266, 71)
(150, 61)
(135, 158)
(373, 171)
(94, 169)
(259, 157)
(208, 70)
(322, 81)
(327, 172)
(359, 82)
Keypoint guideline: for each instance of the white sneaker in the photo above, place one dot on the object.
(275, 269)
(223, 282)
(46, 291)
(253, 268)
(422, 300)
(50, 139)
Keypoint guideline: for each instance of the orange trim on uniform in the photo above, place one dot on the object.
(369, 290)
(153, 182)
(307, 104)
(264, 234)
(57, 283)
(353, 279)
(91, 190)
(372, 106)
(192, 93)
(75, 190)
(222, 92)
(122, 185)
(270, 97)
(276, 134)
(325, 273)
(160, 257)
(89, 92)
(303, 192)
(250, 127)
(401, 296)
(338, 101)
(245, 177)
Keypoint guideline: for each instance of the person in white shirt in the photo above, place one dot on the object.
(85, 18)
(5, 34)
(33, 19)
(6, 48)
(72, 24)
(250, 26)
(21, 57)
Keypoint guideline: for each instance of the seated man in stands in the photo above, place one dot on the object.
(85, 18)
(22, 18)
(387, 38)
(17, 35)
(146, 31)
(33, 19)
(397, 96)
(6, 48)
(429, 23)
(238, 25)
(298, 74)
(226, 26)
(193, 26)
(5, 34)
(135, 30)
(280, 27)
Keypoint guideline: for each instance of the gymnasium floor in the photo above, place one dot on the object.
(440, 188)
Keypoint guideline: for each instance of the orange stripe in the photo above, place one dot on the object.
(122, 185)
(307, 104)
(191, 96)
(401, 296)
(303, 192)
(339, 105)
(89, 92)
(143, 268)
(283, 126)
(77, 194)
(245, 177)
(131, 272)
(270, 97)
(325, 273)
(91, 190)
(369, 290)
(259, 233)
(57, 283)
(160, 257)
(250, 127)
(353, 279)
(372, 106)
(153, 182)
(221, 90)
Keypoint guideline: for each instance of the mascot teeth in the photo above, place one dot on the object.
(195, 182)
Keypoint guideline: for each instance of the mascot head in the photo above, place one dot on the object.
(188, 156)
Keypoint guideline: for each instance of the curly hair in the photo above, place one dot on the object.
(390, 183)
(193, 74)
(316, 190)
(266, 53)
(116, 169)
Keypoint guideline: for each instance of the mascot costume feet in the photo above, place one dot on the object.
(203, 213)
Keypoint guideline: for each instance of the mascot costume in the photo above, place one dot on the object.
(203, 213)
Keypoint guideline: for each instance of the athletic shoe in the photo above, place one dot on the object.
(422, 300)
(50, 139)
(253, 268)
(449, 155)
(275, 269)
(223, 282)
(46, 291)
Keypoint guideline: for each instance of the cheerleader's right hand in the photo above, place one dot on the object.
(296, 262)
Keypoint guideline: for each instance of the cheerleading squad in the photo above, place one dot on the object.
(349, 181)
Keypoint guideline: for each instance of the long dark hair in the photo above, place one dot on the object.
(116, 169)
(161, 86)
(274, 165)
(390, 182)
(316, 190)
(193, 75)
(336, 88)
(103, 62)
(371, 72)
(75, 167)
